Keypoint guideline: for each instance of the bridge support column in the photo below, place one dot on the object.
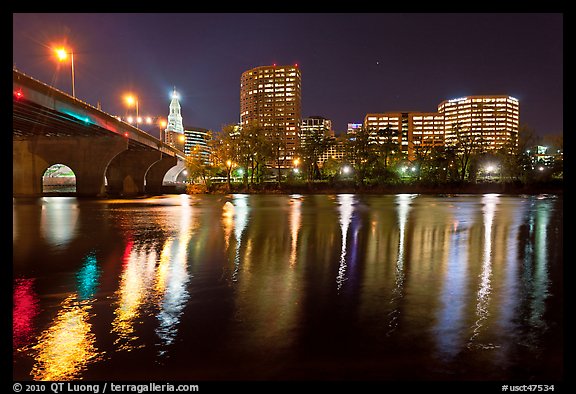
(156, 172)
(88, 157)
(126, 172)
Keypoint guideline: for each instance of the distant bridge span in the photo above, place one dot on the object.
(52, 127)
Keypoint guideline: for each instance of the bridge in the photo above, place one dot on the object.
(108, 156)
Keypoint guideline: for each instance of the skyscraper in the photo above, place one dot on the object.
(174, 133)
(175, 116)
(270, 98)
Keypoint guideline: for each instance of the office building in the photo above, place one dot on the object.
(270, 97)
(197, 141)
(488, 122)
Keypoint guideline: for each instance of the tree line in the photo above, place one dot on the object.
(254, 155)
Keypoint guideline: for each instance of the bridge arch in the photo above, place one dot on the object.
(58, 178)
(87, 156)
(174, 174)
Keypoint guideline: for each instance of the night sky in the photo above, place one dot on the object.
(351, 63)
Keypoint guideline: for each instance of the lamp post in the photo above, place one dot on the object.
(131, 100)
(161, 126)
(62, 54)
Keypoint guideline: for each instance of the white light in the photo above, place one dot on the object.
(346, 169)
(148, 120)
(413, 169)
(541, 168)
(185, 172)
(296, 170)
(490, 168)
(130, 119)
(457, 99)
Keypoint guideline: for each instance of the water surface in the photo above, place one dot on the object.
(290, 287)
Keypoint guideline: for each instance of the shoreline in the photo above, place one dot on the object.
(477, 188)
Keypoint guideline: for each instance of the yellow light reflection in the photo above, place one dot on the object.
(228, 221)
(136, 283)
(295, 212)
(67, 347)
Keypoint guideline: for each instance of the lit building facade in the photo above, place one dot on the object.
(197, 139)
(270, 97)
(315, 125)
(388, 127)
(491, 121)
(174, 133)
(425, 132)
(336, 150)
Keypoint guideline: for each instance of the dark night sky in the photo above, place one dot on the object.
(351, 63)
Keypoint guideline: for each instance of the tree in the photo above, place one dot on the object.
(224, 150)
(260, 151)
(277, 150)
(198, 168)
(386, 144)
(313, 146)
(360, 152)
(467, 144)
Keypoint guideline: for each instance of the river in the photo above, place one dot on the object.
(289, 287)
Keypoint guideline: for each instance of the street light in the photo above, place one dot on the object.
(62, 54)
(162, 125)
(131, 100)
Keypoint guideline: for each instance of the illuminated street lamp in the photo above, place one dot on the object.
(162, 125)
(132, 100)
(62, 54)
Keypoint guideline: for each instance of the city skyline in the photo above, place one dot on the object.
(349, 69)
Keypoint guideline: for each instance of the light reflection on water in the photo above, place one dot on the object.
(68, 346)
(461, 279)
(484, 291)
(346, 202)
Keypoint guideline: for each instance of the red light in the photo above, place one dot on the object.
(18, 94)
(126, 134)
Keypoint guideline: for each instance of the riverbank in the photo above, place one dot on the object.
(553, 187)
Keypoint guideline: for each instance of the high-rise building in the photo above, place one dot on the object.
(270, 97)
(197, 139)
(175, 115)
(174, 133)
(491, 122)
